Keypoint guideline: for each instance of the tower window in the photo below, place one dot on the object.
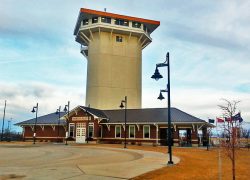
(136, 24)
(95, 20)
(146, 29)
(106, 20)
(121, 22)
(85, 22)
(118, 38)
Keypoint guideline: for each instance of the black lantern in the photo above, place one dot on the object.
(156, 75)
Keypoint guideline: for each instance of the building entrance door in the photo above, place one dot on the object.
(80, 132)
(163, 136)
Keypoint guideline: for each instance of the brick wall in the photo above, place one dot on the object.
(47, 132)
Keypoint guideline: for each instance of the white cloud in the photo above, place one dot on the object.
(201, 103)
(23, 96)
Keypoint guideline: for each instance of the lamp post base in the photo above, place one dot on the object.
(170, 163)
(34, 140)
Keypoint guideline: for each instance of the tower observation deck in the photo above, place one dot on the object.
(113, 45)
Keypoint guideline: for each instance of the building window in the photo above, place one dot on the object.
(71, 129)
(146, 29)
(100, 131)
(136, 24)
(146, 131)
(91, 130)
(121, 22)
(94, 20)
(131, 131)
(106, 20)
(117, 131)
(85, 22)
(118, 38)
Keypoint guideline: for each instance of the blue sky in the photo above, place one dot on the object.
(208, 41)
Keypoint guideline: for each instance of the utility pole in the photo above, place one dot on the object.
(3, 120)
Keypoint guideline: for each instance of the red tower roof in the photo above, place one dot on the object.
(118, 16)
(89, 13)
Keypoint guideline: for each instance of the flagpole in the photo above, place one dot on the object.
(219, 151)
(219, 164)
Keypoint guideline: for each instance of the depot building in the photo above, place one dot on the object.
(143, 126)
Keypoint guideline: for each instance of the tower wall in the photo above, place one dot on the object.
(114, 71)
(113, 44)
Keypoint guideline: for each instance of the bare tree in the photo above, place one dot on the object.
(231, 128)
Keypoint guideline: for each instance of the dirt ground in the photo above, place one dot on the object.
(197, 164)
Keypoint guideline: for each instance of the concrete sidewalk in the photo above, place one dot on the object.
(149, 161)
(69, 162)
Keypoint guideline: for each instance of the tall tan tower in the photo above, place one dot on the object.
(113, 45)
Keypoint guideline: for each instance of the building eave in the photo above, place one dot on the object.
(156, 123)
(118, 16)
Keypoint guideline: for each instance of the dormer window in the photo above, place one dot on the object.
(121, 22)
(94, 20)
(136, 24)
(106, 20)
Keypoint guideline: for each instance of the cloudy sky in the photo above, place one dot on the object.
(208, 41)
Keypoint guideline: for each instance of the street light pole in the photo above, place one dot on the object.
(66, 109)
(3, 120)
(122, 106)
(35, 109)
(88, 125)
(58, 111)
(169, 116)
(157, 76)
(9, 128)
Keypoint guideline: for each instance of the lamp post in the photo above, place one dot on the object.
(122, 106)
(158, 76)
(88, 125)
(9, 128)
(58, 111)
(35, 110)
(3, 120)
(66, 109)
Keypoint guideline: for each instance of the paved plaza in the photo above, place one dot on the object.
(57, 161)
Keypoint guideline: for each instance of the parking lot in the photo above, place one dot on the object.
(57, 161)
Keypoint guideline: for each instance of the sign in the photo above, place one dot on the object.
(80, 118)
